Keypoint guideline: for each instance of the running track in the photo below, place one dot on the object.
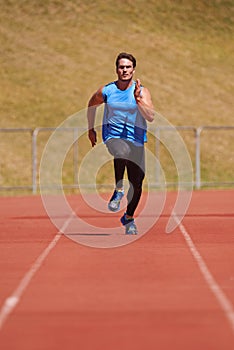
(163, 291)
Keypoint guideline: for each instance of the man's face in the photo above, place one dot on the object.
(125, 69)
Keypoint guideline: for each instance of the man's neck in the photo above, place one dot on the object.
(124, 84)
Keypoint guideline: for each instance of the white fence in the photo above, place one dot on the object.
(196, 152)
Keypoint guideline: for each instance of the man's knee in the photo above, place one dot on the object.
(118, 148)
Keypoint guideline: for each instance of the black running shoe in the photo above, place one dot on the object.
(114, 203)
(130, 226)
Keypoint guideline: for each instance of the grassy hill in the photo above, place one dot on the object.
(54, 54)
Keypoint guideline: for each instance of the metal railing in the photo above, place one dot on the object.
(199, 130)
(34, 134)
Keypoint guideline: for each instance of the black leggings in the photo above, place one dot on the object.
(130, 157)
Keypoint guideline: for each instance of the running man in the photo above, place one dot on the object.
(128, 106)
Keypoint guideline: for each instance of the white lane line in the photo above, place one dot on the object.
(223, 300)
(11, 301)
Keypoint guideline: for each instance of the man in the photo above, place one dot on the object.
(128, 106)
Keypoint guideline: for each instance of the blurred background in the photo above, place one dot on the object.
(54, 54)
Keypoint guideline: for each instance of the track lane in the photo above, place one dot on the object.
(138, 296)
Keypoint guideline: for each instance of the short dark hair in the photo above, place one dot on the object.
(129, 56)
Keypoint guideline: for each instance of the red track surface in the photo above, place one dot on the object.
(163, 291)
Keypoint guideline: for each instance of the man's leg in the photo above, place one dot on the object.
(136, 174)
(136, 177)
(119, 168)
(120, 150)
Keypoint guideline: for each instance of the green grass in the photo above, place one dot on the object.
(54, 54)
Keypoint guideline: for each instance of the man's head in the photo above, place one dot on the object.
(127, 56)
(125, 66)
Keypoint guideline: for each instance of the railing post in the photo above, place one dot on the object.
(75, 156)
(157, 153)
(34, 161)
(198, 156)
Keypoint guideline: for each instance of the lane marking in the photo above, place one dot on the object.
(11, 301)
(222, 299)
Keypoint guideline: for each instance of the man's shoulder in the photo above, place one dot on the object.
(110, 85)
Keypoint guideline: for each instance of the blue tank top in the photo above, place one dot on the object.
(122, 118)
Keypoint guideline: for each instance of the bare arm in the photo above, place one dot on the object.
(95, 100)
(144, 101)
